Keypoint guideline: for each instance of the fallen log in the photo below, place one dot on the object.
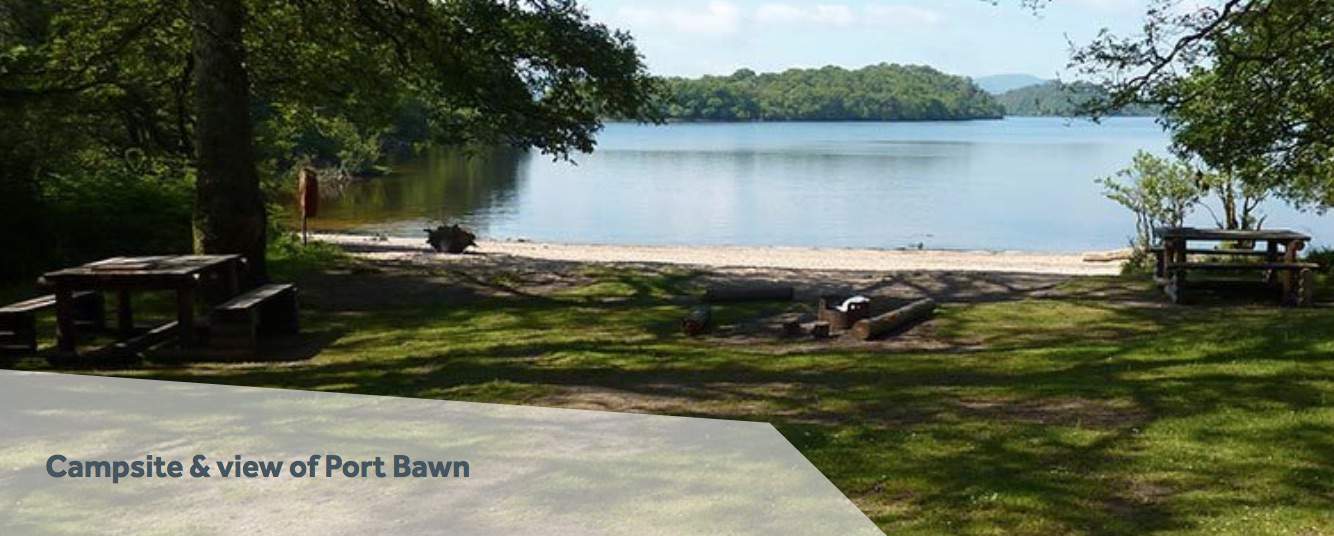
(697, 321)
(871, 328)
(748, 294)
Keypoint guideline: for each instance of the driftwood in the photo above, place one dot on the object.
(697, 321)
(876, 326)
(450, 239)
(1109, 256)
(748, 294)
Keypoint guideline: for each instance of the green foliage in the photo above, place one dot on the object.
(1244, 85)
(1324, 257)
(1064, 100)
(1239, 200)
(341, 84)
(1159, 191)
(877, 93)
(108, 205)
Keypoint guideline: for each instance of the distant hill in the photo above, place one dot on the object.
(884, 92)
(1000, 83)
(1057, 99)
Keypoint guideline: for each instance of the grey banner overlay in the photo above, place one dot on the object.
(532, 470)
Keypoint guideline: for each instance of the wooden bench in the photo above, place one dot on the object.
(1297, 279)
(257, 313)
(1159, 254)
(18, 321)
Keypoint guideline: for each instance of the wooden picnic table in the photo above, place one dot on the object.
(1280, 255)
(124, 275)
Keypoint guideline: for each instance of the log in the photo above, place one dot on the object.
(880, 325)
(821, 330)
(697, 321)
(748, 294)
(1109, 256)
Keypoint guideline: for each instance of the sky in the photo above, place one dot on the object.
(965, 37)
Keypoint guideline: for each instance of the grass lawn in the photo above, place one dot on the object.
(1091, 409)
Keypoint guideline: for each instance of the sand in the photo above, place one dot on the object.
(788, 258)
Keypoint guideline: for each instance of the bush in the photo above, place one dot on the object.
(1160, 192)
(108, 206)
(1324, 257)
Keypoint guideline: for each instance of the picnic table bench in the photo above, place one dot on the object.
(182, 274)
(264, 310)
(238, 322)
(1278, 262)
(18, 321)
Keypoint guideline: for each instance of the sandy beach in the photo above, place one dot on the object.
(787, 258)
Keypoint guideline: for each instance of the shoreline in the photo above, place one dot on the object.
(754, 257)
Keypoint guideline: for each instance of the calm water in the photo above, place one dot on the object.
(1021, 183)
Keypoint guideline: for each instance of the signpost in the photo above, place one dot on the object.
(308, 192)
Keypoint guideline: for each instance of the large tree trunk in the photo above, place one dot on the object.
(229, 207)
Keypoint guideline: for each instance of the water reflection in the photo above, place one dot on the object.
(1024, 184)
(471, 187)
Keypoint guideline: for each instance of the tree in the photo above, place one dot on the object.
(1243, 84)
(217, 84)
(875, 93)
(229, 208)
(1061, 99)
(1160, 192)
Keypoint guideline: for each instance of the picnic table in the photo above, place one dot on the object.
(1279, 259)
(124, 275)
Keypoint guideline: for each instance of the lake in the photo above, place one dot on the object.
(1019, 183)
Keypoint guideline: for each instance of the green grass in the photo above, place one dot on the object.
(1065, 415)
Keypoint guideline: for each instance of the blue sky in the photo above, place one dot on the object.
(967, 37)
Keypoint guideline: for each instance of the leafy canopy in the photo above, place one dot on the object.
(535, 73)
(89, 88)
(1245, 85)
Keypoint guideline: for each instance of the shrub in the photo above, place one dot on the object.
(1160, 192)
(1324, 257)
(107, 205)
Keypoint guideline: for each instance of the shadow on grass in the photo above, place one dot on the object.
(1075, 412)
